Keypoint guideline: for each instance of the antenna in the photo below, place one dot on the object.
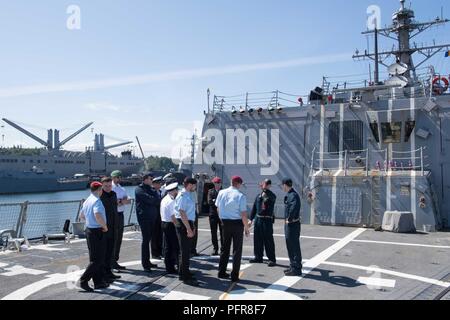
(377, 58)
(403, 29)
(208, 93)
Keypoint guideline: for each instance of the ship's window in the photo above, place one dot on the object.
(391, 132)
(333, 137)
(409, 128)
(352, 139)
(374, 128)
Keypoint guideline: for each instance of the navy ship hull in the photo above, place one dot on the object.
(34, 183)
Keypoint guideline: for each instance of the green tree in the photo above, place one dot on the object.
(160, 163)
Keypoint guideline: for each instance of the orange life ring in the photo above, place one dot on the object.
(438, 89)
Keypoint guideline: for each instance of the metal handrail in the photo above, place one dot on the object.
(22, 211)
(390, 164)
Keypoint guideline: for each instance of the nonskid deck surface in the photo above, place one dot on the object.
(339, 263)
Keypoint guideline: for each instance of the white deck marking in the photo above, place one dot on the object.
(25, 292)
(178, 295)
(403, 244)
(259, 294)
(285, 283)
(18, 270)
(2, 265)
(48, 247)
(230, 266)
(376, 282)
(362, 241)
(120, 286)
(373, 269)
(282, 236)
(390, 272)
(53, 279)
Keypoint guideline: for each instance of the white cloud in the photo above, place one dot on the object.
(166, 76)
(104, 106)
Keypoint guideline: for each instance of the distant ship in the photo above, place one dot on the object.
(356, 149)
(51, 169)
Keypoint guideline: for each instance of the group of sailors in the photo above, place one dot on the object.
(168, 220)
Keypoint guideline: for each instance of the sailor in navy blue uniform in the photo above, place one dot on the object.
(147, 211)
(263, 216)
(292, 228)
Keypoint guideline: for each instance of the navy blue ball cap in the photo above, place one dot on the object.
(287, 181)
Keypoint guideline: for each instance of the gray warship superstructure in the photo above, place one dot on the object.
(51, 168)
(355, 150)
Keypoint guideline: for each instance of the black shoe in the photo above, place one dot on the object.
(256, 261)
(224, 276)
(119, 267)
(172, 271)
(195, 254)
(271, 264)
(113, 276)
(293, 273)
(102, 285)
(85, 286)
(234, 279)
(191, 282)
(108, 280)
(215, 253)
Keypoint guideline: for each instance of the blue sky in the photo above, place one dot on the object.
(121, 40)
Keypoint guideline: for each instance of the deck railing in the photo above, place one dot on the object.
(33, 220)
(366, 160)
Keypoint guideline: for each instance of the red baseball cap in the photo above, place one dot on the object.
(96, 184)
(236, 179)
(216, 180)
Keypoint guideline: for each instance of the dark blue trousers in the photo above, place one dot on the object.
(263, 238)
(292, 232)
(171, 246)
(147, 225)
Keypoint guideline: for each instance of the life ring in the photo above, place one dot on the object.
(437, 87)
